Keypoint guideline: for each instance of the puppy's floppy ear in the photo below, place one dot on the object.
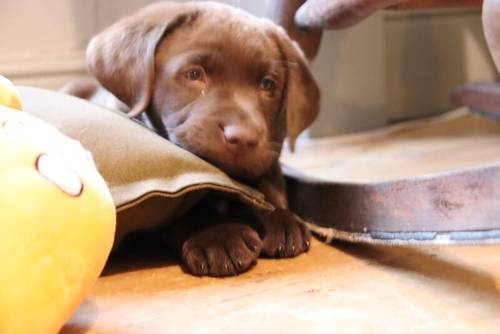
(302, 92)
(122, 56)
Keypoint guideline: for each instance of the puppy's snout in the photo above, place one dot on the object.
(240, 137)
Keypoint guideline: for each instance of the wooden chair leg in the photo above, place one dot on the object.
(282, 12)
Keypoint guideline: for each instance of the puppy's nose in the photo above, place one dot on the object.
(238, 137)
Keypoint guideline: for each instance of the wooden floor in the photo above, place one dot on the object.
(453, 141)
(341, 288)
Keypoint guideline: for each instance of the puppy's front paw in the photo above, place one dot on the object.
(284, 235)
(221, 250)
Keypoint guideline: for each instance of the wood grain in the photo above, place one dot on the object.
(341, 288)
(455, 141)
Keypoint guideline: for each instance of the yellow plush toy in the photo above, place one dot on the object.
(9, 96)
(57, 222)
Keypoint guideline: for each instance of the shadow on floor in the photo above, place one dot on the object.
(141, 250)
(90, 311)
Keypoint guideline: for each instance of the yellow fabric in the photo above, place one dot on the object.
(57, 223)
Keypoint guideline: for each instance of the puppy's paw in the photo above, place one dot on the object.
(285, 235)
(221, 250)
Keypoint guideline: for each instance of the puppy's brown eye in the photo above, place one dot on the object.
(194, 74)
(268, 84)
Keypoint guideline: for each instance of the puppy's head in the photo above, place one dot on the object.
(218, 82)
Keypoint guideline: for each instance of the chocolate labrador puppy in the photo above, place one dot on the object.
(229, 87)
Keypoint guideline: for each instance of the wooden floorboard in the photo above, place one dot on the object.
(341, 288)
(454, 141)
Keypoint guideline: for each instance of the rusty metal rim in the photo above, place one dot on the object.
(450, 207)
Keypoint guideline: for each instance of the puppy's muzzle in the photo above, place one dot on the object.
(240, 138)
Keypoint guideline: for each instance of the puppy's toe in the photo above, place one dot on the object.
(285, 235)
(221, 250)
(219, 261)
(244, 251)
(195, 260)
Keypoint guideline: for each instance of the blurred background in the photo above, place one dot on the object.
(391, 67)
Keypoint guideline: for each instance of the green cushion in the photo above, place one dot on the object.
(151, 180)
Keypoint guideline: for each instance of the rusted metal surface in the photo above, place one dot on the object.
(462, 201)
(282, 12)
(458, 206)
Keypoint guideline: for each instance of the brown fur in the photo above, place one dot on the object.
(254, 89)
